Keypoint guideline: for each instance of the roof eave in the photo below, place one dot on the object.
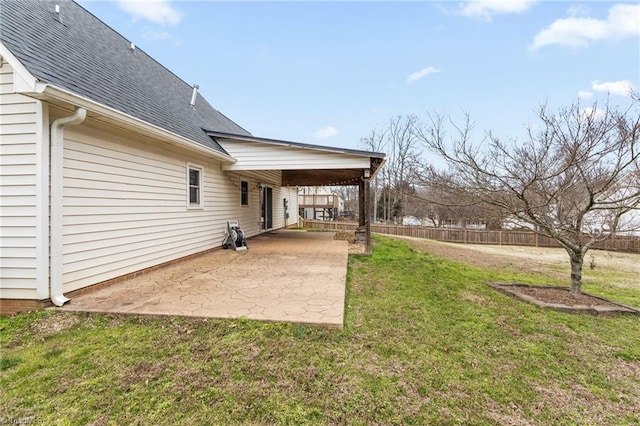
(23, 80)
(231, 136)
(147, 128)
(25, 83)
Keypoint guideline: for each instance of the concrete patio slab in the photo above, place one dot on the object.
(287, 275)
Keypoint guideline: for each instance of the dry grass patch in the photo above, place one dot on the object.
(51, 325)
(614, 276)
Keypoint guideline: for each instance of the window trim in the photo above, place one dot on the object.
(242, 193)
(200, 170)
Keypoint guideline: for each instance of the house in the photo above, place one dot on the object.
(614, 211)
(319, 203)
(111, 164)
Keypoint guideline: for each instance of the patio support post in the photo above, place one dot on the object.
(362, 205)
(364, 218)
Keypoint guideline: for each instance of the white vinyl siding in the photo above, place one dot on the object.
(292, 196)
(249, 216)
(125, 198)
(125, 202)
(23, 262)
(261, 156)
(279, 195)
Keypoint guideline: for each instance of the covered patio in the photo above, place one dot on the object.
(287, 275)
(302, 164)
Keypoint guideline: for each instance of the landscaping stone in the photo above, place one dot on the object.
(561, 299)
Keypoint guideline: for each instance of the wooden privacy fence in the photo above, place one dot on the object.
(473, 236)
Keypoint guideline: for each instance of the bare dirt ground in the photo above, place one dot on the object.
(562, 296)
(618, 269)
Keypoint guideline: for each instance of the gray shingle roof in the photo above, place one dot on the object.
(83, 55)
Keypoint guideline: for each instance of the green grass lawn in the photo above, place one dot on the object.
(426, 341)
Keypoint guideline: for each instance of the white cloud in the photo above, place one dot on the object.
(592, 112)
(583, 94)
(486, 9)
(157, 11)
(622, 21)
(156, 35)
(578, 10)
(622, 87)
(421, 74)
(326, 133)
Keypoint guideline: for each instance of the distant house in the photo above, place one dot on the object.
(628, 189)
(319, 203)
(617, 212)
(111, 164)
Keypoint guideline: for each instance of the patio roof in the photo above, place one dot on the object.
(302, 164)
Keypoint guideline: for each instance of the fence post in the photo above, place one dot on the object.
(465, 235)
(536, 238)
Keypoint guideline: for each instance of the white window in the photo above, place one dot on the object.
(194, 186)
(244, 193)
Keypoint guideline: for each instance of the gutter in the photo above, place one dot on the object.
(141, 125)
(28, 85)
(57, 201)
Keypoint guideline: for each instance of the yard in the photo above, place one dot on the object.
(426, 341)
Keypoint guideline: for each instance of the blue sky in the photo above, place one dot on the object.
(329, 72)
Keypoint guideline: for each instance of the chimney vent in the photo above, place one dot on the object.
(194, 95)
(132, 46)
(56, 13)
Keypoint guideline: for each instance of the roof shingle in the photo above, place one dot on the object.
(77, 52)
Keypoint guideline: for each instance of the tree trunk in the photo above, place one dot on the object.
(577, 259)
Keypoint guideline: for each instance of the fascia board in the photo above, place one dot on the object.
(235, 138)
(142, 125)
(23, 80)
(28, 85)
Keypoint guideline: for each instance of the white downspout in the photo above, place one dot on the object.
(57, 201)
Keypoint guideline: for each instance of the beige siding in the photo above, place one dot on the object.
(249, 216)
(279, 195)
(261, 156)
(22, 265)
(125, 204)
(292, 196)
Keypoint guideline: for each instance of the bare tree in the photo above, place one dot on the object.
(349, 195)
(440, 198)
(395, 181)
(575, 178)
(375, 142)
(403, 162)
